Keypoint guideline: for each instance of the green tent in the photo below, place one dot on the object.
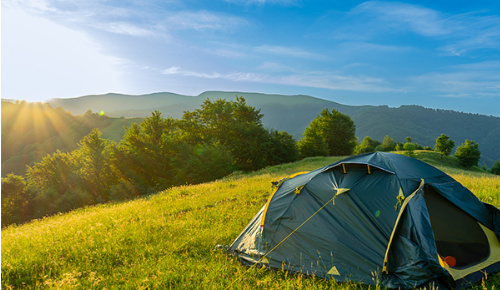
(375, 218)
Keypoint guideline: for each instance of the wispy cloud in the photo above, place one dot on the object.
(289, 51)
(133, 18)
(123, 28)
(459, 33)
(402, 16)
(205, 20)
(309, 79)
(474, 80)
(349, 46)
(263, 2)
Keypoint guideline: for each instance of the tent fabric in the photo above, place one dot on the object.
(344, 220)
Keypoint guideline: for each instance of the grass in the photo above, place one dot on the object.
(167, 240)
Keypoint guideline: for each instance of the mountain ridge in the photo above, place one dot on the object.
(293, 113)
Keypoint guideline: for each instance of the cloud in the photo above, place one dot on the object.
(349, 46)
(474, 80)
(263, 2)
(226, 53)
(134, 18)
(123, 28)
(205, 20)
(310, 79)
(402, 16)
(289, 51)
(458, 33)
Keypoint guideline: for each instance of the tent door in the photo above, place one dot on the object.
(460, 240)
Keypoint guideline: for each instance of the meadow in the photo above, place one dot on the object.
(167, 240)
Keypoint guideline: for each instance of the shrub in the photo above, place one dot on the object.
(468, 154)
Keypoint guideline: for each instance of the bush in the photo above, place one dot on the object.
(495, 169)
(468, 154)
(410, 148)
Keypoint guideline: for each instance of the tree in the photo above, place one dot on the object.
(410, 148)
(495, 169)
(238, 128)
(313, 144)
(281, 148)
(408, 139)
(444, 145)
(337, 131)
(388, 143)
(368, 145)
(96, 164)
(468, 154)
(146, 151)
(14, 199)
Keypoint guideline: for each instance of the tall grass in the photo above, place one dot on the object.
(167, 240)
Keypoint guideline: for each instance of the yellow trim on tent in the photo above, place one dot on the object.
(299, 189)
(406, 200)
(275, 190)
(367, 165)
(343, 167)
(492, 258)
(333, 271)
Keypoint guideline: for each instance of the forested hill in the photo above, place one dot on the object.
(294, 113)
(424, 125)
(30, 131)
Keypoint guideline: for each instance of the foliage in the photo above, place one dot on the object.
(166, 240)
(337, 132)
(368, 145)
(425, 124)
(156, 154)
(495, 169)
(468, 154)
(388, 143)
(409, 147)
(444, 145)
(236, 126)
(313, 144)
(14, 199)
(30, 131)
(281, 148)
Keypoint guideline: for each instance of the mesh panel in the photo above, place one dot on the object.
(457, 234)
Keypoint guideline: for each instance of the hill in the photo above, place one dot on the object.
(167, 240)
(294, 113)
(30, 131)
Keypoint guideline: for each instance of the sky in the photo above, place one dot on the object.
(436, 54)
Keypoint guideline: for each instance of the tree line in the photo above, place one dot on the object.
(206, 144)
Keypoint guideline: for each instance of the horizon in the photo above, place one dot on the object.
(436, 55)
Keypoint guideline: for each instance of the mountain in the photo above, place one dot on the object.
(294, 113)
(289, 113)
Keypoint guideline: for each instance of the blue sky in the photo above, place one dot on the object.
(437, 54)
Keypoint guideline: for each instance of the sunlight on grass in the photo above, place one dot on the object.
(166, 240)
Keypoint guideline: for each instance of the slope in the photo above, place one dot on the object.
(30, 131)
(166, 240)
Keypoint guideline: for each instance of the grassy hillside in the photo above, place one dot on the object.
(166, 240)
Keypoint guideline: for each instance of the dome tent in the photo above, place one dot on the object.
(375, 218)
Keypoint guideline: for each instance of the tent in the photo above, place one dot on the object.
(376, 218)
